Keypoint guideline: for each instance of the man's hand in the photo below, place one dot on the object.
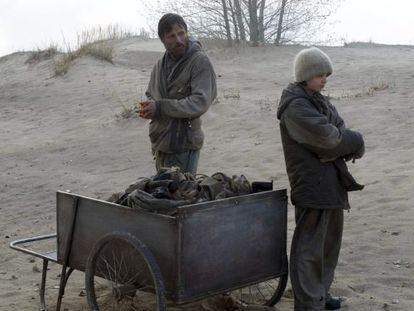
(147, 110)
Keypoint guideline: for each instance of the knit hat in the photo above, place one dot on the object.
(310, 63)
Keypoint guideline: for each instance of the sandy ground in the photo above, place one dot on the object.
(62, 133)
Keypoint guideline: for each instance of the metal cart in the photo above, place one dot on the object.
(134, 258)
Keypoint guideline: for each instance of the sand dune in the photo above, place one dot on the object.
(63, 133)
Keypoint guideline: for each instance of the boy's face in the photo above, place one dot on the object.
(316, 84)
(176, 41)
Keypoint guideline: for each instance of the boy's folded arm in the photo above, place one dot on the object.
(309, 127)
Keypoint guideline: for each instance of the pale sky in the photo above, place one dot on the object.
(381, 21)
(31, 24)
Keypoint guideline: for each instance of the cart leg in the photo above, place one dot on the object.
(43, 285)
(63, 280)
(61, 291)
(68, 273)
(64, 275)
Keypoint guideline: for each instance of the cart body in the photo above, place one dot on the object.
(206, 249)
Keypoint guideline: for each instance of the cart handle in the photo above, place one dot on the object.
(48, 255)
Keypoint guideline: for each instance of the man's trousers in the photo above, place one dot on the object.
(187, 161)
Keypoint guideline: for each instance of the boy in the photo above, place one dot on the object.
(316, 144)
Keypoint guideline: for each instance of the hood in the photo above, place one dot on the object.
(194, 46)
(291, 92)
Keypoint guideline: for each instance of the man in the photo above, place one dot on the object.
(316, 144)
(181, 89)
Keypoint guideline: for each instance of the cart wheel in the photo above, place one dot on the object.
(121, 274)
(266, 293)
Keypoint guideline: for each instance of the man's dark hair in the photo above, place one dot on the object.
(167, 22)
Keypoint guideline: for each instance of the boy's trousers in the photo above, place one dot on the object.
(314, 255)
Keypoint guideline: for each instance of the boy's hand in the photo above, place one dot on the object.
(360, 152)
(355, 156)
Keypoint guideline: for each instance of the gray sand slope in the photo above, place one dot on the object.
(62, 133)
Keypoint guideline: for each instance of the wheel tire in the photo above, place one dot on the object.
(110, 260)
(279, 291)
(266, 293)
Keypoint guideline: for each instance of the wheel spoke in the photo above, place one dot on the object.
(115, 267)
(133, 277)
(266, 293)
(128, 265)
(268, 284)
(258, 289)
(109, 269)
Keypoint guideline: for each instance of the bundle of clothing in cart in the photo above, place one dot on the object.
(171, 188)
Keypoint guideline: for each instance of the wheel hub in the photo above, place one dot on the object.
(123, 291)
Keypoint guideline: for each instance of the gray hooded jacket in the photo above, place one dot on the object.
(183, 91)
(315, 143)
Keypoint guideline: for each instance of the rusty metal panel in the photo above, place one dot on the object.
(95, 218)
(209, 248)
(230, 243)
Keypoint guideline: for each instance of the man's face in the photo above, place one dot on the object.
(176, 41)
(316, 84)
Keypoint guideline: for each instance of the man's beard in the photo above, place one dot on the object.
(178, 50)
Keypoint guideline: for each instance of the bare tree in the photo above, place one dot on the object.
(261, 29)
(280, 22)
(234, 20)
(240, 22)
(255, 21)
(226, 22)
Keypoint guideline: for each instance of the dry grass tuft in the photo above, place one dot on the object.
(267, 104)
(128, 110)
(95, 42)
(40, 55)
(99, 34)
(61, 65)
(144, 34)
(369, 90)
(100, 50)
(380, 86)
(231, 94)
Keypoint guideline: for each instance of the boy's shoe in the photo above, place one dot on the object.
(332, 303)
